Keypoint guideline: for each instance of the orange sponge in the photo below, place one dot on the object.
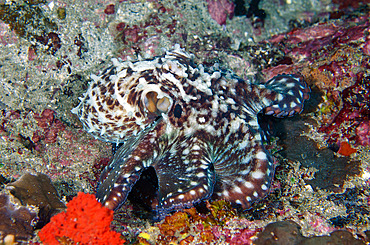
(86, 221)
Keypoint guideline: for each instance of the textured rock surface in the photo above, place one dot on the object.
(17, 221)
(45, 67)
(287, 232)
(37, 190)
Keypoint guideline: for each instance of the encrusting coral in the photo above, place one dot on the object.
(86, 221)
(220, 224)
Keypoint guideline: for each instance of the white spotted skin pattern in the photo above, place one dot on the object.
(196, 126)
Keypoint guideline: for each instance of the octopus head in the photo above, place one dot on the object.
(128, 98)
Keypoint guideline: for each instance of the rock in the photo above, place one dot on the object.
(17, 221)
(37, 190)
(289, 233)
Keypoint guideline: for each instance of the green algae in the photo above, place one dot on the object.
(26, 18)
(62, 13)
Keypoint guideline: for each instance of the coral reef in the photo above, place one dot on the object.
(223, 225)
(332, 57)
(86, 221)
(145, 36)
(49, 48)
(363, 133)
(355, 209)
(28, 20)
(220, 223)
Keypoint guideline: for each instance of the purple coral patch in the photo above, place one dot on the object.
(220, 10)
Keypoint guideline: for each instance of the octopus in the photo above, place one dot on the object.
(196, 126)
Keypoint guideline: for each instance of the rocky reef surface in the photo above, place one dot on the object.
(48, 49)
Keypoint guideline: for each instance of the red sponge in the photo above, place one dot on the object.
(86, 221)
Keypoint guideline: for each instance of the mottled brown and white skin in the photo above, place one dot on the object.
(196, 126)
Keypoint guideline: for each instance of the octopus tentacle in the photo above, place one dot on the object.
(290, 93)
(251, 180)
(190, 178)
(244, 173)
(281, 96)
(124, 170)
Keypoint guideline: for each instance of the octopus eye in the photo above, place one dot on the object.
(150, 101)
(163, 104)
(153, 104)
(177, 111)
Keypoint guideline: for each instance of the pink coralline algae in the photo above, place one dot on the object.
(109, 9)
(316, 37)
(328, 46)
(352, 121)
(243, 236)
(144, 36)
(349, 4)
(220, 10)
(363, 133)
(334, 57)
(50, 125)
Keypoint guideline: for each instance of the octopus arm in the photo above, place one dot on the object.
(244, 172)
(125, 169)
(290, 93)
(185, 177)
(281, 96)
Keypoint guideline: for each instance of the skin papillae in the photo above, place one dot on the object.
(196, 126)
